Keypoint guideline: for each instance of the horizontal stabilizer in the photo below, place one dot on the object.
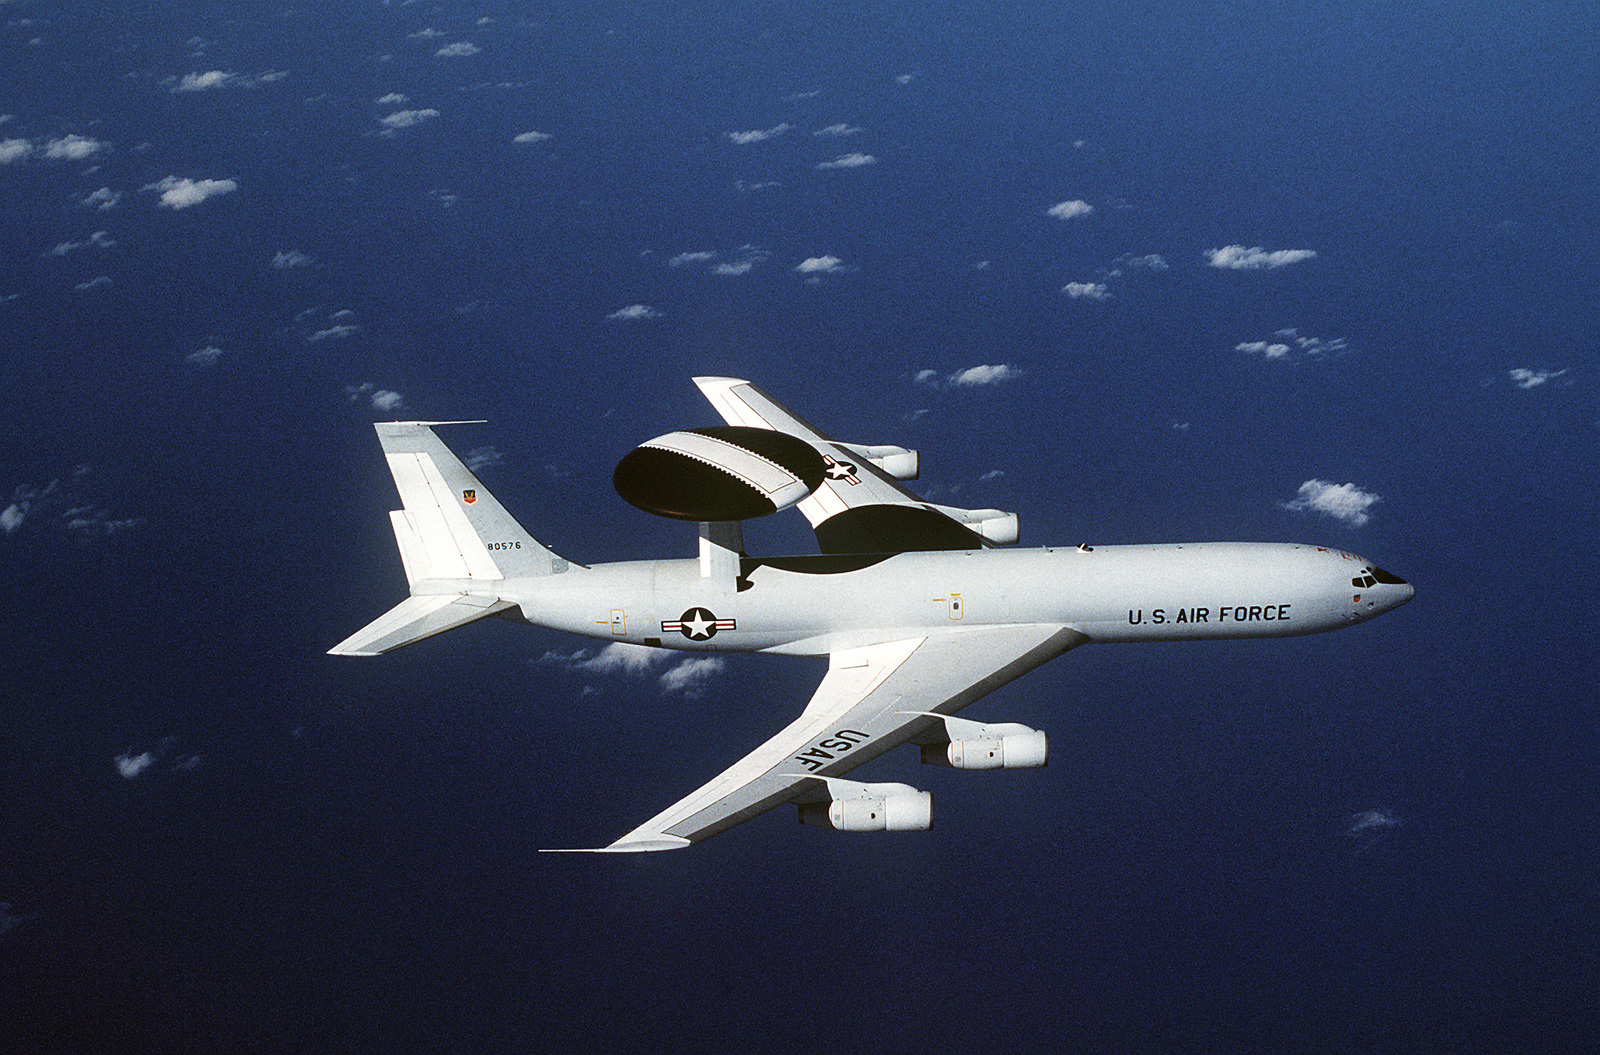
(414, 619)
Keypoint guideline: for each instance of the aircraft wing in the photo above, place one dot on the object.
(859, 508)
(873, 698)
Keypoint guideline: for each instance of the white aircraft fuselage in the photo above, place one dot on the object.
(818, 604)
(918, 610)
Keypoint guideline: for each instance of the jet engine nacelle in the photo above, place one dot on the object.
(996, 525)
(976, 745)
(856, 807)
(898, 462)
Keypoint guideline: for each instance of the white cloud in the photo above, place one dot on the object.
(14, 150)
(619, 657)
(103, 199)
(819, 265)
(699, 257)
(392, 99)
(206, 356)
(480, 457)
(406, 118)
(1068, 210)
(1086, 291)
(736, 267)
(199, 82)
(690, 676)
(1129, 262)
(53, 504)
(288, 258)
(381, 398)
(98, 282)
(1242, 258)
(98, 240)
(425, 34)
(759, 134)
(182, 193)
(530, 137)
(1287, 342)
(835, 131)
(634, 311)
(1344, 502)
(333, 333)
(849, 161)
(456, 51)
(1526, 378)
(970, 377)
(622, 658)
(974, 376)
(131, 765)
(72, 148)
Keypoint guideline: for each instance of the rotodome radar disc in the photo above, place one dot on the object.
(726, 472)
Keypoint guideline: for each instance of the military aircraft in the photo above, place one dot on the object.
(918, 607)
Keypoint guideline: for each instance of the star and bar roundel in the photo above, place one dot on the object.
(697, 624)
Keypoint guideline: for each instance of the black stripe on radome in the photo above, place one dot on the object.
(893, 529)
(673, 485)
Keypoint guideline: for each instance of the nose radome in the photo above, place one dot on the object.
(1401, 591)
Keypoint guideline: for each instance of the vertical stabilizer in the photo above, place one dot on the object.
(451, 526)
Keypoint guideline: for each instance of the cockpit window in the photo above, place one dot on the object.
(1372, 576)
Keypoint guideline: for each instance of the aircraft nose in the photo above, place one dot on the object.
(1400, 590)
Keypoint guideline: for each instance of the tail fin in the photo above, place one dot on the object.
(457, 543)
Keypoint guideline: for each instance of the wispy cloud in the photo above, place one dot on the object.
(820, 265)
(700, 256)
(1086, 291)
(849, 161)
(1129, 262)
(97, 240)
(179, 193)
(689, 677)
(73, 148)
(482, 457)
(56, 506)
(381, 398)
(131, 766)
(620, 658)
(1526, 378)
(1252, 258)
(758, 135)
(1343, 502)
(290, 258)
(201, 82)
(406, 119)
(206, 356)
(103, 199)
(14, 150)
(530, 137)
(1290, 342)
(969, 377)
(836, 131)
(633, 312)
(458, 51)
(334, 332)
(1069, 210)
(98, 282)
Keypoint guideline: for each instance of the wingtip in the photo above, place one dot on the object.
(630, 844)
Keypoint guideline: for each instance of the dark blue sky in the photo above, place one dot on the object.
(1216, 257)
